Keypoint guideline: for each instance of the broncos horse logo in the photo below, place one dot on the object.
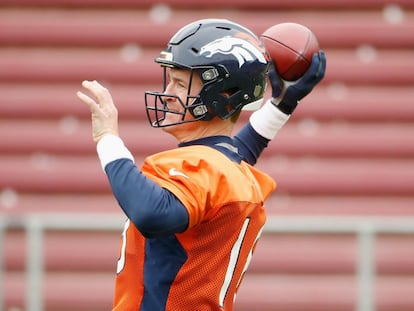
(240, 48)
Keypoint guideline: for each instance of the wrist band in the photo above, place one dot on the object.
(111, 148)
(268, 120)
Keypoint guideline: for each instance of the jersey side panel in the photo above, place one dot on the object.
(129, 287)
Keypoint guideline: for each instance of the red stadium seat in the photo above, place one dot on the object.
(321, 263)
(119, 27)
(242, 4)
(330, 102)
(70, 66)
(302, 138)
(347, 151)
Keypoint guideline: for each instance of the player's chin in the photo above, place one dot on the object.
(169, 120)
(165, 127)
(169, 125)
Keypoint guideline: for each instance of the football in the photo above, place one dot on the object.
(290, 46)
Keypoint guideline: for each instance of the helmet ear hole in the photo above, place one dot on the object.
(226, 105)
(229, 92)
(201, 112)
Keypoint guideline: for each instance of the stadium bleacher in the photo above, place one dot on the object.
(348, 149)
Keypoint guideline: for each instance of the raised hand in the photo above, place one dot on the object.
(103, 111)
(287, 94)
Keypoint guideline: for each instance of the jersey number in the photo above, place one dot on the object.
(234, 256)
(121, 260)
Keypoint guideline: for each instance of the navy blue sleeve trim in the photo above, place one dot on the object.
(154, 210)
(250, 143)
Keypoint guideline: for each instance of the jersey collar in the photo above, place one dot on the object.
(224, 144)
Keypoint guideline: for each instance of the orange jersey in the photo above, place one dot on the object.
(202, 267)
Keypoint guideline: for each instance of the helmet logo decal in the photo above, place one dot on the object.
(241, 48)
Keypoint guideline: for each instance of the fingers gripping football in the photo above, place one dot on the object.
(103, 111)
(287, 94)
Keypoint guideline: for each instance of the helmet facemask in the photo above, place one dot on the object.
(192, 104)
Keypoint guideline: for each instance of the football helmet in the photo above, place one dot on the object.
(231, 62)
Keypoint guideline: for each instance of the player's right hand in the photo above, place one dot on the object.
(287, 94)
(104, 113)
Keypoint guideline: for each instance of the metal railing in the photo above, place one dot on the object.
(365, 228)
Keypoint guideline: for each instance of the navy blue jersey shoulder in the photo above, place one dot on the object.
(250, 144)
(224, 144)
(247, 145)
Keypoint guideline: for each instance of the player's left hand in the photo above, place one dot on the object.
(104, 113)
(287, 94)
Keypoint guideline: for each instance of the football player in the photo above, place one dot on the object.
(196, 212)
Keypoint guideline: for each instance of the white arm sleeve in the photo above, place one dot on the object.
(268, 120)
(111, 148)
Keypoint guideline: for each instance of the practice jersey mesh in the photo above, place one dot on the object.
(202, 267)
